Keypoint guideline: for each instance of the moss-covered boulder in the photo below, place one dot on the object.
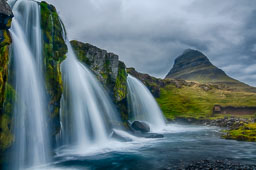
(108, 69)
(247, 132)
(54, 52)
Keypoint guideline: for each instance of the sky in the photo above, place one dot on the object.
(149, 34)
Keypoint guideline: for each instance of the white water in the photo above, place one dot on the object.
(31, 147)
(88, 115)
(142, 105)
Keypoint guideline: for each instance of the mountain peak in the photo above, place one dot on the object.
(193, 65)
(190, 59)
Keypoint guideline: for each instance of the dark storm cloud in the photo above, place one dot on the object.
(150, 34)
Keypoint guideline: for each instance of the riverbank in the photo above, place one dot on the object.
(236, 128)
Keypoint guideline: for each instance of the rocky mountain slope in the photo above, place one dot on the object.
(193, 65)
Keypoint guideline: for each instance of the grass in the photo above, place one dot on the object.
(197, 103)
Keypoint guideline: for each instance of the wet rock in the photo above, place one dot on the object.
(140, 126)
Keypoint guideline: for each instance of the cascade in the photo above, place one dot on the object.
(142, 105)
(31, 147)
(88, 116)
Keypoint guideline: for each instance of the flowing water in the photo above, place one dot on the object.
(88, 116)
(31, 146)
(142, 105)
(181, 145)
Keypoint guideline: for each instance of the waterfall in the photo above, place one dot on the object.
(88, 115)
(31, 147)
(142, 105)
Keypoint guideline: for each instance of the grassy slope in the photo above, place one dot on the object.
(197, 103)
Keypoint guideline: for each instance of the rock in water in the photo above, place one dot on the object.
(140, 126)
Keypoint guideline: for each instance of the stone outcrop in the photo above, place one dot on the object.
(7, 93)
(54, 52)
(108, 69)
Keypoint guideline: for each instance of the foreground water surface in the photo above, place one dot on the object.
(181, 145)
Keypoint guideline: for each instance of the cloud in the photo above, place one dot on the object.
(150, 34)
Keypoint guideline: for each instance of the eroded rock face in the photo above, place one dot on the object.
(7, 92)
(108, 69)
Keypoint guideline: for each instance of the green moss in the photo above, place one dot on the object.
(54, 51)
(120, 89)
(4, 57)
(6, 136)
(247, 132)
(7, 93)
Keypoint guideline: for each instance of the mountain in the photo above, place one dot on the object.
(193, 65)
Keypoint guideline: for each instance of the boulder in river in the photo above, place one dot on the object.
(140, 126)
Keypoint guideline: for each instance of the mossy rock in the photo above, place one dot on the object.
(247, 132)
(54, 52)
(6, 123)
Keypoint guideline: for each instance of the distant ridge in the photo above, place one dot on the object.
(193, 65)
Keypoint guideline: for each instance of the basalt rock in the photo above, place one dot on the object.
(140, 126)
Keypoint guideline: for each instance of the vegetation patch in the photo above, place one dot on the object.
(196, 102)
(247, 132)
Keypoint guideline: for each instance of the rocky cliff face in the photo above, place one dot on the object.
(54, 52)
(108, 69)
(7, 92)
